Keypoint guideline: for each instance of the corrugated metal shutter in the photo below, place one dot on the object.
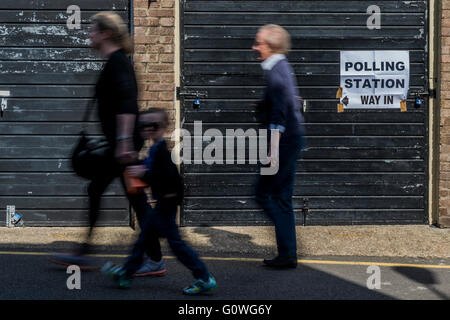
(360, 167)
(50, 72)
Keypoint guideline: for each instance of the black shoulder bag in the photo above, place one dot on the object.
(90, 154)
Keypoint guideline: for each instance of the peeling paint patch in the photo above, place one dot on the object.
(420, 35)
(46, 30)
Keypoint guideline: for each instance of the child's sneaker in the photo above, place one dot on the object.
(117, 274)
(201, 286)
(151, 268)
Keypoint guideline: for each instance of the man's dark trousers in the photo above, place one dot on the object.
(274, 194)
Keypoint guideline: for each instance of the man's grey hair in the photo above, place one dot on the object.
(277, 38)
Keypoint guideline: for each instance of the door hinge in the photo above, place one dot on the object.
(432, 93)
(305, 210)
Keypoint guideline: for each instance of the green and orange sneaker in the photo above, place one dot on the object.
(118, 274)
(201, 286)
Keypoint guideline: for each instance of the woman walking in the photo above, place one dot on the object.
(116, 94)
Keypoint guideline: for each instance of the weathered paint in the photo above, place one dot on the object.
(364, 167)
(50, 72)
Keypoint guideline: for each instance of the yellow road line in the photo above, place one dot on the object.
(301, 261)
(380, 264)
(20, 253)
(353, 263)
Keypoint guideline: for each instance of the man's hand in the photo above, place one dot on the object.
(274, 162)
(135, 171)
(274, 158)
(275, 136)
(256, 105)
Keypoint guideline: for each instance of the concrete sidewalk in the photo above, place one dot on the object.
(375, 241)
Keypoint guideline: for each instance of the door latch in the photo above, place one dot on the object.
(192, 94)
(420, 95)
(4, 103)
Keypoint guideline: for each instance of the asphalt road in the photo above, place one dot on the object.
(29, 275)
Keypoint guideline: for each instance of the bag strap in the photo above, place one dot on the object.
(90, 108)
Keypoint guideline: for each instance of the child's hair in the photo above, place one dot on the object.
(161, 111)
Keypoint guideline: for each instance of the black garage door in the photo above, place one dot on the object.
(50, 72)
(359, 167)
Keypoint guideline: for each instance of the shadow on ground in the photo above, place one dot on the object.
(33, 277)
(424, 277)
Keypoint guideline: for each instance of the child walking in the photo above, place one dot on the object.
(161, 174)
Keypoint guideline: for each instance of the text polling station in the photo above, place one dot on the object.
(374, 79)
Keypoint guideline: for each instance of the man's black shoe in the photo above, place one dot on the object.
(282, 262)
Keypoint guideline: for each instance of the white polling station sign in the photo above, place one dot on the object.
(374, 79)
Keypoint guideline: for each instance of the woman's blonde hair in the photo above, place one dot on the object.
(277, 38)
(107, 20)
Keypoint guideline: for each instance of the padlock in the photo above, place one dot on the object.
(418, 102)
(16, 218)
(196, 105)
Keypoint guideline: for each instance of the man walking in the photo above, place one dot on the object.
(281, 113)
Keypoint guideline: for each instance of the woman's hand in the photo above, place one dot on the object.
(125, 153)
(136, 171)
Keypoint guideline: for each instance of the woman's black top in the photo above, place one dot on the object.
(117, 93)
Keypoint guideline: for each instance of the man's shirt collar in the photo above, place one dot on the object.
(270, 62)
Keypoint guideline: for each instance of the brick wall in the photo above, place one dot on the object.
(154, 57)
(444, 183)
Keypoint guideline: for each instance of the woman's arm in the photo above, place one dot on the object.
(124, 88)
(125, 152)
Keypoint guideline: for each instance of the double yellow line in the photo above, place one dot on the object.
(301, 261)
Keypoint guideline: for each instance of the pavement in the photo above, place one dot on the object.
(412, 241)
(27, 274)
(335, 262)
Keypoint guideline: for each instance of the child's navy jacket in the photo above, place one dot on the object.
(162, 174)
